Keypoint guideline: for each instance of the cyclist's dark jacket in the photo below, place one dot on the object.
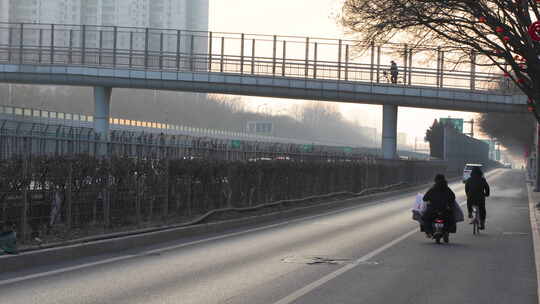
(477, 188)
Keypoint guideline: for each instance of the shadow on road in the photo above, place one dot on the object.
(447, 246)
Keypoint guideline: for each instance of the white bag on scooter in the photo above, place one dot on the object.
(457, 212)
(419, 207)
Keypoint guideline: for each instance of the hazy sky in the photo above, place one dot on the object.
(315, 18)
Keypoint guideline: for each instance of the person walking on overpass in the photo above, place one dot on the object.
(393, 71)
(477, 189)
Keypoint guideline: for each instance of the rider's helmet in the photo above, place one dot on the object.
(440, 181)
(476, 172)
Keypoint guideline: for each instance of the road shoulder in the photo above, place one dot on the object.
(534, 212)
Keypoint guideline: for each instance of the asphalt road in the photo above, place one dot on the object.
(367, 254)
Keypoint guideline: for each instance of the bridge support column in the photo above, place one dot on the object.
(102, 109)
(389, 133)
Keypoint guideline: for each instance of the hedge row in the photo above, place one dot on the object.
(40, 194)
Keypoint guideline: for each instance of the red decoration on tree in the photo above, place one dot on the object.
(530, 108)
(530, 101)
(499, 29)
(482, 19)
(506, 38)
(534, 30)
(506, 74)
(521, 80)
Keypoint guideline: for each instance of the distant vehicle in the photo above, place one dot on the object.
(282, 158)
(259, 159)
(507, 166)
(467, 170)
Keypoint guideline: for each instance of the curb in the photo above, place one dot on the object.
(536, 236)
(330, 197)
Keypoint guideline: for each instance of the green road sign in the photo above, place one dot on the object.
(457, 123)
(236, 144)
(307, 148)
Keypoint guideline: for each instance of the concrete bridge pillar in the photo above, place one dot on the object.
(389, 133)
(102, 109)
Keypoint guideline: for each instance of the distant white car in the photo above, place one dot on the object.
(467, 171)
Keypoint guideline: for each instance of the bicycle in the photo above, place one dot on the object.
(388, 78)
(476, 220)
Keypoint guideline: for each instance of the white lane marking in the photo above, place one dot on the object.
(163, 249)
(71, 268)
(314, 285)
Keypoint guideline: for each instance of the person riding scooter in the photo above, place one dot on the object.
(440, 199)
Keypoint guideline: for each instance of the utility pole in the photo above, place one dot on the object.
(444, 142)
(10, 93)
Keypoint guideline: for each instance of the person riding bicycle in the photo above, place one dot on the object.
(393, 71)
(477, 189)
(440, 200)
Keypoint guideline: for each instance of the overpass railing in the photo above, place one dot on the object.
(238, 53)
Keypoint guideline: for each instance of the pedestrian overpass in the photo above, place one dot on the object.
(106, 57)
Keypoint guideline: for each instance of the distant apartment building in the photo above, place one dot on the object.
(175, 14)
(44, 11)
(4, 17)
(96, 14)
(4, 10)
(371, 135)
(402, 139)
(198, 17)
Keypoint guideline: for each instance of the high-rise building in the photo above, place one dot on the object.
(4, 17)
(97, 15)
(173, 14)
(197, 18)
(44, 11)
(402, 139)
(4, 10)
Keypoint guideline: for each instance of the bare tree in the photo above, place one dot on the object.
(515, 132)
(499, 30)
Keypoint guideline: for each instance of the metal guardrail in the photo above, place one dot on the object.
(231, 53)
(26, 138)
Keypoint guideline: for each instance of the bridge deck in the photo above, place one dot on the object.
(255, 65)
